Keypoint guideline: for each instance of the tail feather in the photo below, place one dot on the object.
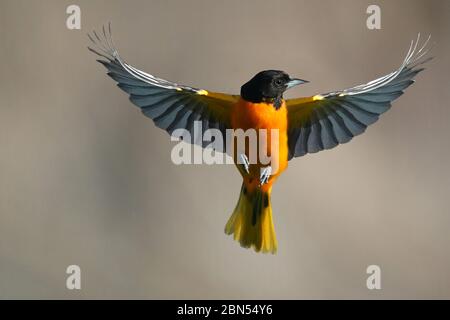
(251, 222)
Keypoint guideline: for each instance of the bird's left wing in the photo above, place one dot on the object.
(326, 120)
(170, 105)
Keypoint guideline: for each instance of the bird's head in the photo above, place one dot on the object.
(269, 85)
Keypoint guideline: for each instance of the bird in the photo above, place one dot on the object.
(305, 125)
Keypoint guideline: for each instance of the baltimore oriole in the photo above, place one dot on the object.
(305, 125)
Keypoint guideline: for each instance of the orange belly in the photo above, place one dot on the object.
(247, 115)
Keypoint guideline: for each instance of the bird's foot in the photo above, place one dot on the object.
(265, 175)
(245, 163)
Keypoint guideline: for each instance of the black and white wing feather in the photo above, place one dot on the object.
(326, 120)
(170, 105)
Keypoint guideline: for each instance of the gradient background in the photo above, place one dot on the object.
(86, 179)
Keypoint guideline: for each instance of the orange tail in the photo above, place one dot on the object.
(251, 222)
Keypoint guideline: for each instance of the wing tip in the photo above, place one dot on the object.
(103, 44)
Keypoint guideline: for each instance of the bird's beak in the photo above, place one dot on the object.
(295, 82)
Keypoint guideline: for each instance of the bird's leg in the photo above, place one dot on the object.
(265, 175)
(244, 162)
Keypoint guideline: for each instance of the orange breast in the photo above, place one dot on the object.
(247, 115)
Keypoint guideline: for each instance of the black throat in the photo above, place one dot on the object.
(252, 94)
(277, 102)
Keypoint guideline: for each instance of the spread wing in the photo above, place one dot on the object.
(170, 105)
(326, 120)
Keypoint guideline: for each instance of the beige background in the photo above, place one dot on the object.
(86, 179)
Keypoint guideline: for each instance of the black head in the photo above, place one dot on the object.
(268, 86)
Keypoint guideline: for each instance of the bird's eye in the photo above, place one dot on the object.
(278, 82)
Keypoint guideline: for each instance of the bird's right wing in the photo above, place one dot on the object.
(170, 105)
(326, 120)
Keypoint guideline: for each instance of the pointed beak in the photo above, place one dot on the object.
(295, 82)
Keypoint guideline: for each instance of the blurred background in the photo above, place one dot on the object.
(86, 179)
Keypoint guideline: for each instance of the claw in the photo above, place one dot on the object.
(265, 175)
(245, 162)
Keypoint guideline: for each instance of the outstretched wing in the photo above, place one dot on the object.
(170, 105)
(326, 120)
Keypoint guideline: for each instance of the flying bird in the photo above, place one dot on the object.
(305, 125)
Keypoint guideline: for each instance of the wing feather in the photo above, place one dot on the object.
(323, 121)
(170, 105)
